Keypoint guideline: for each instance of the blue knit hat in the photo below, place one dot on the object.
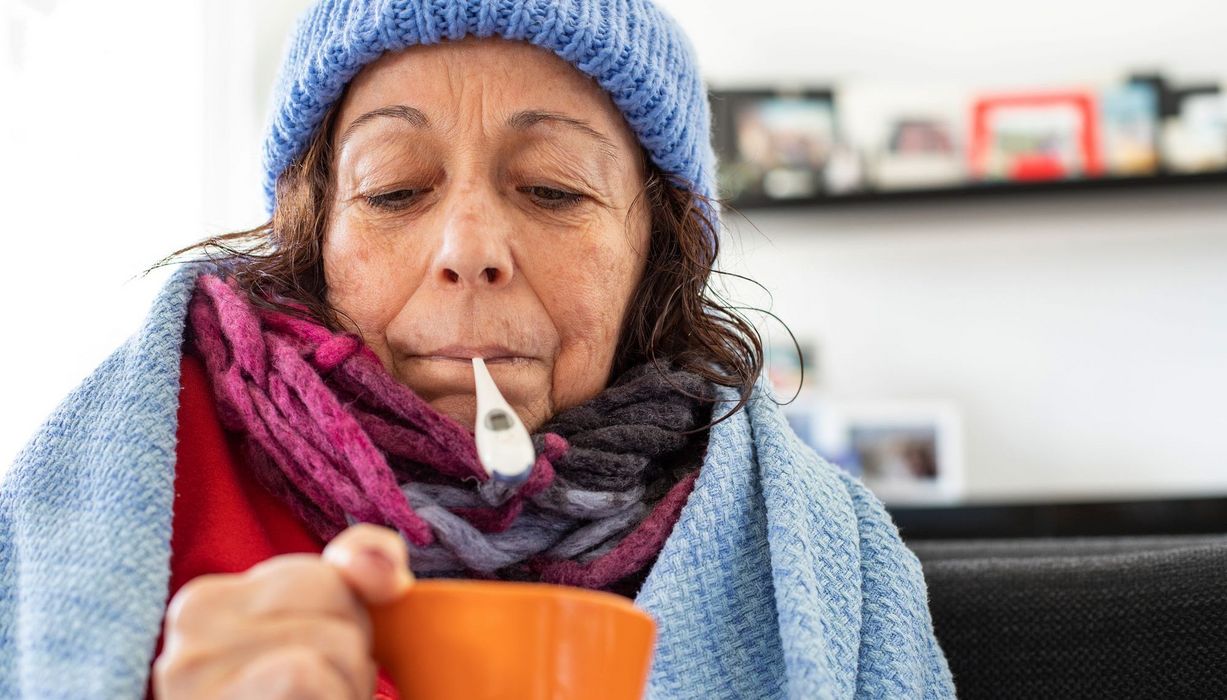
(631, 48)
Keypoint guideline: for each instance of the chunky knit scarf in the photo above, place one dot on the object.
(330, 432)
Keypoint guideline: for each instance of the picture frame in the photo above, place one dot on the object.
(1129, 114)
(908, 452)
(780, 146)
(1194, 136)
(1029, 137)
(913, 136)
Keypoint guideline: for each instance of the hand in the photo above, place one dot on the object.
(294, 626)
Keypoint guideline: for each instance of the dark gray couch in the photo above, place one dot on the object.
(1138, 617)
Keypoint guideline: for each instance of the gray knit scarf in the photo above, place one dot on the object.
(629, 448)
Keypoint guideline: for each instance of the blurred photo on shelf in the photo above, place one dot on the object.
(908, 452)
(1130, 129)
(1029, 137)
(790, 366)
(779, 146)
(912, 136)
(919, 153)
(1195, 136)
(792, 373)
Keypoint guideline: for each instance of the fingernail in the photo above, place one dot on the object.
(378, 560)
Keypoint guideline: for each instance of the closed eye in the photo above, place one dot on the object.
(395, 200)
(552, 197)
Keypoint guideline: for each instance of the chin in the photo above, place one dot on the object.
(461, 408)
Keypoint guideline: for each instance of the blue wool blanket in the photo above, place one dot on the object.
(783, 578)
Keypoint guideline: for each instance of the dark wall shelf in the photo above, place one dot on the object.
(1201, 181)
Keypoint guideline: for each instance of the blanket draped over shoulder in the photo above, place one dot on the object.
(783, 577)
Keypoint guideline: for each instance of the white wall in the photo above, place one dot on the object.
(972, 40)
(1081, 336)
(128, 129)
(102, 173)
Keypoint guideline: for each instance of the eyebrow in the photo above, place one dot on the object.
(526, 119)
(520, 121)
(413, 116)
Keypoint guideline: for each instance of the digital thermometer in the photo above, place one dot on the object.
(503, 444)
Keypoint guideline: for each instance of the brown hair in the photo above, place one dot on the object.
(672, 317)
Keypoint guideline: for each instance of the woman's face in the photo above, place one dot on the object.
(483, 207)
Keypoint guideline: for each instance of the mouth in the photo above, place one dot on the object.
(492, 354)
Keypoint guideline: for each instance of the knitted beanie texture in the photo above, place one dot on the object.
(633, 50)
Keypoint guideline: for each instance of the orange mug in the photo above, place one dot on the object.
(448, 639)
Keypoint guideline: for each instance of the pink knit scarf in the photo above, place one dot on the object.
(331, 433)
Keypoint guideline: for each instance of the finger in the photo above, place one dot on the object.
(200, 660)
(347, 646)
(373, 560)
(297, 584)
(202, 603)
(290, 672)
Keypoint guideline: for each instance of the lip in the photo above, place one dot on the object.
(466, 353)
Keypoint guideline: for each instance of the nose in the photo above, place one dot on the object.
(475, 251)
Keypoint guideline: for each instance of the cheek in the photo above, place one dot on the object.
(366, 281)
(588, 298)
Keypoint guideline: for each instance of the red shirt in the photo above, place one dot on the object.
(224, 520)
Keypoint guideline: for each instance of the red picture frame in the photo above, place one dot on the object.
(1038, 167)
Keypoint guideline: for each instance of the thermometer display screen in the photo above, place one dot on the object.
(498, 420)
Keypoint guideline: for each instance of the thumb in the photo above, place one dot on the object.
(373, 560)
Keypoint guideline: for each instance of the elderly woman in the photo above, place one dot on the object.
(289, 435)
